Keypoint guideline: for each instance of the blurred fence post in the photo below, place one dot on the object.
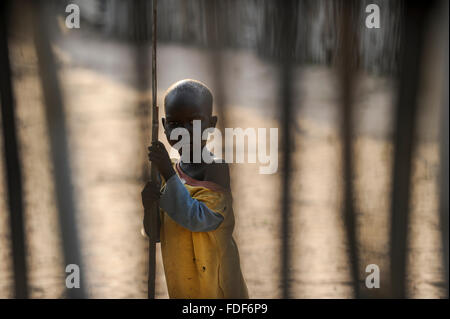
(214, 39)
(12, 160)
(287, 18)
(348, 54)
(56, 123)
(444, 132)
(412, 41)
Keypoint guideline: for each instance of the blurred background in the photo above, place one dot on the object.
(363, 126)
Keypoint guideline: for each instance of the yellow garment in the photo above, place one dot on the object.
(202, 264)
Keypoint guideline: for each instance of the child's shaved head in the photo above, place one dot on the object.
(189, 92)
(186, 101)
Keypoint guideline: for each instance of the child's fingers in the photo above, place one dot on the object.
(155, 157)
(155, 151)
(151, 192)
(158, 179)
(158, 144)
(157, 147)
(159, 151)
(158, 156)
(155, 154)
(150, 186)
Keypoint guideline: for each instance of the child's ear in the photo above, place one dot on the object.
(163, 121)
(213, 121)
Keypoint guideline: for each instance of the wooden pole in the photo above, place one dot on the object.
(153, 214)
(141, 36)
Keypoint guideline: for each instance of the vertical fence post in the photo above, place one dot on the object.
(216, 62)
(348, 53)
(444, 132)
(12, 160)
(56, 123)
(288, 28)
(412, 40)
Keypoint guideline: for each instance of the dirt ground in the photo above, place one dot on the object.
(107, 152)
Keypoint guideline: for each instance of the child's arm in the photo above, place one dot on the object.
(185, 210)
(176, 200)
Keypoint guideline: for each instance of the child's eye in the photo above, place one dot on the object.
(189, 122)
(174, 124)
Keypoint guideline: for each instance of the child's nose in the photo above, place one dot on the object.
(189, 126)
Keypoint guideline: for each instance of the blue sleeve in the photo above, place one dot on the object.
(185, 210)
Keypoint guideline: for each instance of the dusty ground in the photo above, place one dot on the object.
(108, 153)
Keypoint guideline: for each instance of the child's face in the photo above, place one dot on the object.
(182, 115)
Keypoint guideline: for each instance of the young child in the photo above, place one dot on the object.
(200, 256)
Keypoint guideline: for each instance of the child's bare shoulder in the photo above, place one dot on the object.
(218, 172)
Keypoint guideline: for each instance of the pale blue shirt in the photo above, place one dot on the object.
(185, 210)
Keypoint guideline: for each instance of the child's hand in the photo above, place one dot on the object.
(150, 194)
(158, 155)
